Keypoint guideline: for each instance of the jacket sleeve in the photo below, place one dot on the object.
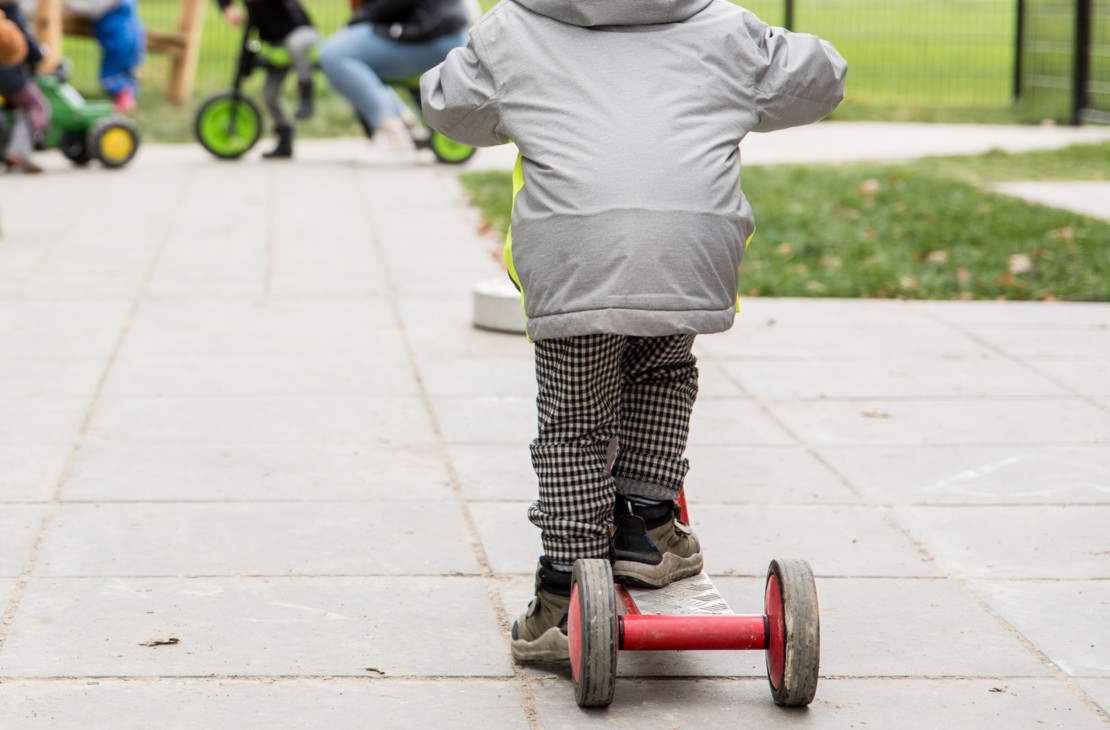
(13, 46)
(800, 78)
(459, 99)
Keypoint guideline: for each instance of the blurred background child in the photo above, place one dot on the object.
(18, 88)
(122, 38)
(281, 23)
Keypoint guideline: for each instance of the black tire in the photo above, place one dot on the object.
(592, 633)
(794, 649)
(114, 141)
(75, 147)
(225, 133)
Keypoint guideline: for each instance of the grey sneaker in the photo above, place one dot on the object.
(652, 547)
(540, 634)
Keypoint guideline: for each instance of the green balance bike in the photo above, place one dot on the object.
(229, 124)
(83, 130)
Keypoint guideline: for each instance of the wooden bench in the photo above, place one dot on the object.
(182, 45)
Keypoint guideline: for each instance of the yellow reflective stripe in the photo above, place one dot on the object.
(750, 236)
(507, 253)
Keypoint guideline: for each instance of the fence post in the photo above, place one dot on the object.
(1019, 49)
(185, 63)
(1082, 66)
(788, 11)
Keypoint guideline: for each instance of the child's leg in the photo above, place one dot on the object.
(650, 546)
(578, 402)
(122, 39)
(579, 396)
(299, 42)
(271, 96)
(657, 399)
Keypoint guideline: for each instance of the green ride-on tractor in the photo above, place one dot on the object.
(229, 124)
(83, 130)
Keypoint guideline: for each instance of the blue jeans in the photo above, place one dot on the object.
(356, 59)
(122, 38)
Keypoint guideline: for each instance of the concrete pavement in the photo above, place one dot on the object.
(257, 469)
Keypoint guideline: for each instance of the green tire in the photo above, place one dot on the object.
(450, 151)
(227, 126)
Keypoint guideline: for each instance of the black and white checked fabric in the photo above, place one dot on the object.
(639, 390)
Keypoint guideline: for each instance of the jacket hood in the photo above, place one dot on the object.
(616, 12)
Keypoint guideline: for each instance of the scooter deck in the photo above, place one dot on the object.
(693, 596)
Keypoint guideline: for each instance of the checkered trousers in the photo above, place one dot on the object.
(592, 389)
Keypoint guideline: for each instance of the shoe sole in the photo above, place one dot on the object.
(551, 646)
(673, 567)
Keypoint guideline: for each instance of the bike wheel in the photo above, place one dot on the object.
(794, 649)
(592, 633)
(228, 125)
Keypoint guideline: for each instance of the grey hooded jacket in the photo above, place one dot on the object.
(628, 216)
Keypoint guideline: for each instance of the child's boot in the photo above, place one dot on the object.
(284, 147)
(540, 634)
(306, 108)
(652, 547)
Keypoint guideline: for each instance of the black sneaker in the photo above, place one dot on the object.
(652, 547)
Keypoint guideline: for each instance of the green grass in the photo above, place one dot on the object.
(921, 230)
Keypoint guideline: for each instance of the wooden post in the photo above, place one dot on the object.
(48, 27)
(184, 67)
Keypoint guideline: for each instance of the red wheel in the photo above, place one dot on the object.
(592, 633)
(794, 642)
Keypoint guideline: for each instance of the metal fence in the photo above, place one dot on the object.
(1065, 59)
(976, 54)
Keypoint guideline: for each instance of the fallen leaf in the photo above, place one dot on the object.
(1020, 263)
(874, 413)
(162, 642)
(937, 257)
(870, 186)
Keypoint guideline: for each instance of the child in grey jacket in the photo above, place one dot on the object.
(627, 231)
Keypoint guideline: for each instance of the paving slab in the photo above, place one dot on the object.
(1034, 421)
(373, 420)
(20, 525)
(49, 377)
(895, 378)
(41, 420)
(260, 329)
(956, 474)
(1066, 620)
(383, 373)
(1087, 197)
(1019, 315)
(77, 330)
(841, 703)
(1057, 343)
(256, 538)
(127, 472)
(30, 472)
(1015, 541)
(354, 627)
(1086, 377)
(844, 340)
(1099, 691)
(312, 704)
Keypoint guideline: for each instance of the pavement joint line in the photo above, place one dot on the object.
(8, 617)
(962, 583)
(524, 691)
(1021, 362)
(551, 677)
(504, 578)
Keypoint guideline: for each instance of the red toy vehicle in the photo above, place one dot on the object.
(691, 614)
